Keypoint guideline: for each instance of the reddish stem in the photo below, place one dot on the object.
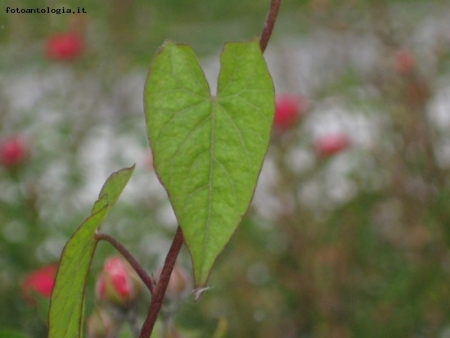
(161, 286)
(269, 24)
(129, 257)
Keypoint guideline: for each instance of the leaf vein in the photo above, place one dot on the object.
(233, 183)
(175, 114)
(231, 77)
(182, 143)
(247, 157)
(191, 193)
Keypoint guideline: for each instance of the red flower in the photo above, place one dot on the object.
(118, 283)
(405, 61)
(288, 110)
(12, 151)
(40, 281)
(329, 145)
(64, 46)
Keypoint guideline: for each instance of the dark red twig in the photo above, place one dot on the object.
(161, 286)
(269, 24)
(129, 257)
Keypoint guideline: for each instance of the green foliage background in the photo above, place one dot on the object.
(304, 272)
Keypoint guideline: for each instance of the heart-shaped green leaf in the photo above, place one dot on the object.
(66, 315)
(208, 151)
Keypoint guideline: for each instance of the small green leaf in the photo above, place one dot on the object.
(113, 188)
(208, 151)
(66, 315)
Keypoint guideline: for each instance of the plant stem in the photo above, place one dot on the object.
(269, 24)
(161, 286)
(129, 257)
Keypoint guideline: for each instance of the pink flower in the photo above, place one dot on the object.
(332, 144)
(64, 46)
(118, 283)
(40, 281)
(12, 151)
(288, 110)
(405, 61)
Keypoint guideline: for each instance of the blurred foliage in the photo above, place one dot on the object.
(134, 29)
(307, 260)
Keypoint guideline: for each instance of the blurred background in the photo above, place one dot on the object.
(349, 231)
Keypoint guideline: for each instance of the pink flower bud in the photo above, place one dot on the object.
(118, 283)
(288, 111)
(101, 325)
(404, 62)
(41, 282)
(64, 46)
(329, 145)
(13, 151)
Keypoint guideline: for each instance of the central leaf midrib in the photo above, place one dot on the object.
(211, 166)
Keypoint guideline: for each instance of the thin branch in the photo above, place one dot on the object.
(129, 257)
(161, 286)
(269, 24)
